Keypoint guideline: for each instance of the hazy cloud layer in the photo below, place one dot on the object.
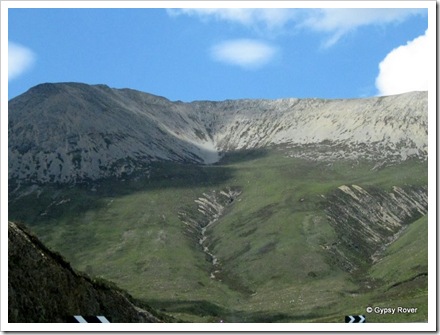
(251, 17)
(336, 22)
(246, 53)
(20, 59)
(405, 68)
(333, 22)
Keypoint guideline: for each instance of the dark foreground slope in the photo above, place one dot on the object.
(43, 287)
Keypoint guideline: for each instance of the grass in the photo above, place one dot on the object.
(269, 243)
(407, 257)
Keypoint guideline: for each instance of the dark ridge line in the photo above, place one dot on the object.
(55, 256)
(58, 258)
(408, 280)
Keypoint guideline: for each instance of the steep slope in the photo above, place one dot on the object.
(71, 132)
(74, 132)
(42, 287)
(395, 124)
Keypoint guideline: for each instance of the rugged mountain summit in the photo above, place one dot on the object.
(70, 132)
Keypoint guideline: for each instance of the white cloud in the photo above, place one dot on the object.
(20, 59)
(246, 53)
(405, 68)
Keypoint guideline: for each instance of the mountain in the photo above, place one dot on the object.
(73, 132)
(289, 210)
(43, 287)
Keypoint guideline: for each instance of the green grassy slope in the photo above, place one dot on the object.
(269, 242)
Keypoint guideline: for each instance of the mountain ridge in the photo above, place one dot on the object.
(69, 132)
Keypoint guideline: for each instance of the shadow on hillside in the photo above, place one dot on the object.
(33, 203)
(241, 156)
(215, 313)
(166, 174)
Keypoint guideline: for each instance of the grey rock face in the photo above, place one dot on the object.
(71, 132)
(366, 221)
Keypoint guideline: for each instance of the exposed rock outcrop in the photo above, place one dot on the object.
(72, 132)
(368, 220)
(210, 207)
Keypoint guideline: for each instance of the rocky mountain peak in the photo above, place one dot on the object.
(69, 132)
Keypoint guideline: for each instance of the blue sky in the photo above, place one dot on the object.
(217, 54)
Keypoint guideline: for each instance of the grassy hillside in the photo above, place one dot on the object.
(272, 242)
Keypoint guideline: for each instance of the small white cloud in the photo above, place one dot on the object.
(405, 68)
(20, 59)
(246, 53)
